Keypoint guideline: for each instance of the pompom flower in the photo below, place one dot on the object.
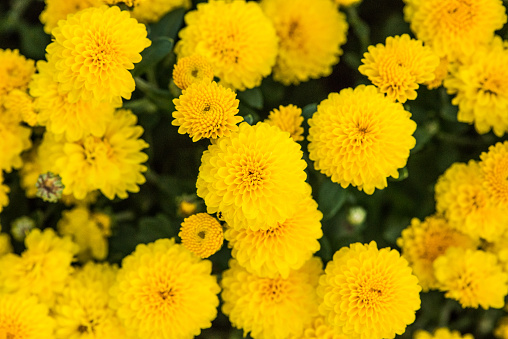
(289, 119)
(255, 177)
(441, 333)
(311, 33)
(191, 69)
(15, 71)
(153, 10)
(369, 293)
(271, 308)
(201, 234)
(93, 51)
(397, 67)
(422, 242)
(56, 10)
(281, 248)
(235, 36)
(165, 291)
(455, 28)
(360, 137)
(494, 165)
(20, 107)
(206, 110)
(473, 277)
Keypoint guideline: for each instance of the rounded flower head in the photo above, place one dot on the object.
(473, 277)
(311, 33)
(206, 110)
(281, 248)
(480, 88)
(422, 242)
(201, 234)
(397, 67)
(57, 10)
(255, 177)
(93, 50)
(271, 308)
(235, 36)
(455, 27)
(23, 317)
(494, 165)
(289, 119)
(15, 71)
(191, 69)
(441, 333)
(369, 293)
(153, 10)
(360, 137)
(165, 291)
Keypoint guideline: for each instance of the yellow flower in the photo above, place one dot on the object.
(289, 119)
(494, 165)
(191, 69)
(397, 67)
(320, 329)
(20, 107)
(311, 33)
(5, 239)
(441, 333)
(4, 191)
(15, 139)
(281, 248)
(455, 28)
(235, 36)
(480, 88)
(206, 110)
(271, 308)
(346, 3)
(501, 330)
(360, 137)
(165, 291)
(93, 51)
(15, 71)
(255, 177)
(424, 241)
(24, 317)
(57, 10)
(369, 293)
(153, 10)
(201, 234)
(440, 74)
(473, 277)
(467, 204)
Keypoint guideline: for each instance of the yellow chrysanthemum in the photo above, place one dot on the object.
(165, 291)
(5, 240)
(191, 69)
(494, 165)
(289, 119)
(424, 241)
(271, 308)
(501, 330)
(15, 71)
(311, 33)
(441, 333)
(360, 137)
(20, 107)
(481, 90)
(152, 10)
(201, 234)
(255, 177)
(4, 191)
(206, 110)
(369, 293)
(235, 36)
(320, 329)
(42, 268)
(280, 248)
(93, 51)
(15, 139)
(397, 67)
(455, 27)
(57, 10)
(440, 74)
(466, 203)
(473, 277)
(24, 317)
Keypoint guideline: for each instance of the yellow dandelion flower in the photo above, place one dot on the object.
(153, 10)
(20, 106)
(494, 165)
(15, 139)
(24, 317)
(360, 137)
(165, 291)
(369, 293)
(472, 277)
(289, 119)
(455, 28)
(15, 71)
(481, 90)
(501, 330)
(281, 248)
(201, 234)
(271, 308)
(191, 69)
(236, 37)
(311, 33)
(397, 67)
(467, 204)
(93, 51)
(255, 177)
(56, 10)
(320, 329)
(441, 333)
(422, 242)
(206, 110)
(440, 73)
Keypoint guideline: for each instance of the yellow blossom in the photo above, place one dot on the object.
(191, 69)
(56, 10)
(494, 165)
(320, 329)
(153, 10)
(15, 139)
(15, 71)
(441, 333)
(289, 119)
(201, 234)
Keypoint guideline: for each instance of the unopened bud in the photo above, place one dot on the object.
(49, 187)
(21, 227)
(356, 215)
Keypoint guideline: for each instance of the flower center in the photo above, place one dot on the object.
(99, 53)
(275, 290)
(457, 15)
(252, 176)
(167, 295)
(370, 293)
(202, 234)
(96, 148)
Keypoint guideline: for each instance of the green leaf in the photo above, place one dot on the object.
(424, 134)
(252, 97)
(331, 197)
(309, 110)
(151, 56)
(153, 228)
(403, 174)
(33, 41)
(359, 26)
(162, 98)
(168, 26)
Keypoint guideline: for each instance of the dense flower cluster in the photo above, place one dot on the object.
(201, 234)
(289, 119)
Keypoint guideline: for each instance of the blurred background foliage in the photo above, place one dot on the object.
(174, 159)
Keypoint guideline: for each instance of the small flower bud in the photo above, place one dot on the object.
(49, 187)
